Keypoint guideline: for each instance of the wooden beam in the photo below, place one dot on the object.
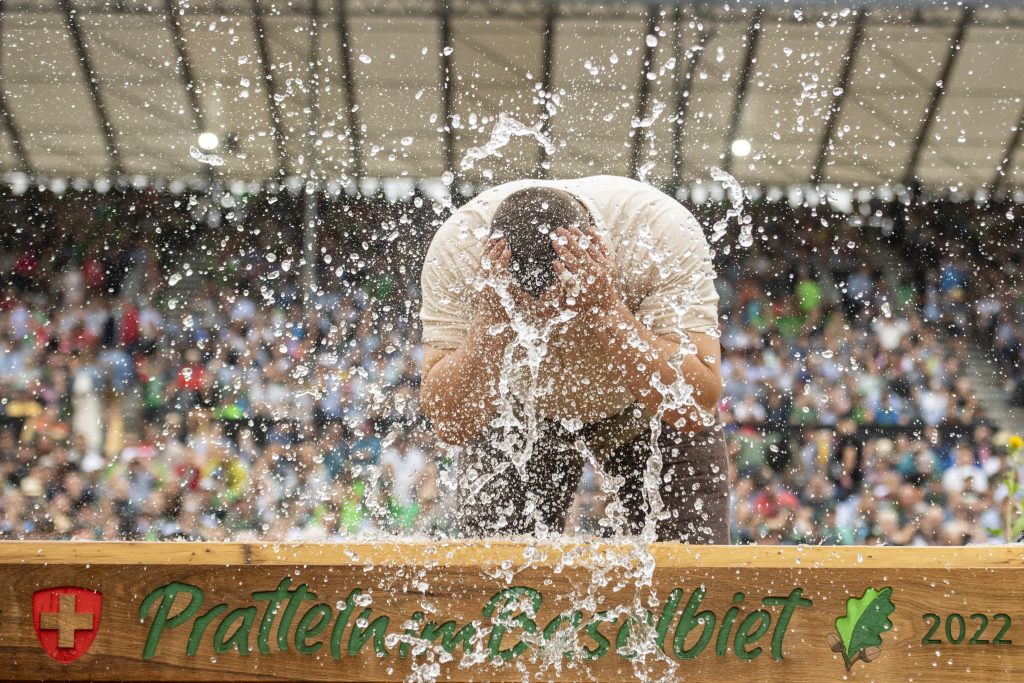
(547, 77)
(263, 49)
(842, 89)
(93, 84)
(753, 36)
(684, 91)
(475, 553)
(348, 81)
(643, 90)
(382, 610)
(938, 90)
(447, 84)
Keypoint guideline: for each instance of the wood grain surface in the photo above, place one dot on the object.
(480, 611)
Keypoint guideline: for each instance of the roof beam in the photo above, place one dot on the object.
(938, 90)
(619, 11)
(93, 84)
(313, 79)
(13, 132)
(643, 91)
(842, 88)
(174, 14)
(684, 91)
(547, 75)
(1001, 177)
(311, 208)
(260, 31)
(753, 36)
(185, 66)
(348, 81)
(447, 84)
(891, 122)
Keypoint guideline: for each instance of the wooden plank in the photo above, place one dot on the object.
(497, 551)
(507, 611)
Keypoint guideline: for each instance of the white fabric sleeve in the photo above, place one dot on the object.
(683, 297)
(446, 283)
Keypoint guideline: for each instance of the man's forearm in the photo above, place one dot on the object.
(641, 354)
(460, 393)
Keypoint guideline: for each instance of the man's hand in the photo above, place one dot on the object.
(586, 272)
(494, 276)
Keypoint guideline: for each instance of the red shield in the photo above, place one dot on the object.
(66, 620)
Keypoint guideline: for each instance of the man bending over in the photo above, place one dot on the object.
(620, 276)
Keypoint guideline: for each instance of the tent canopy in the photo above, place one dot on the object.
(841, 95)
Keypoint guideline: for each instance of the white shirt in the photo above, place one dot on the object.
(663, 271)
(955, 477)
(890, 332)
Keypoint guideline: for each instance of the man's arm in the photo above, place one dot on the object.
(634, 349)
(641, 354)
(459, 389)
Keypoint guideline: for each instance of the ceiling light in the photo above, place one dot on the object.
(209, 141)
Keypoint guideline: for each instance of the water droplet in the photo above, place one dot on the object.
(501, 134)
(209, 159)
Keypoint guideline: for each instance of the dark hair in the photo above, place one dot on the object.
(526, 218)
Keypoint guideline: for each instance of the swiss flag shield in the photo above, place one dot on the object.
(66, 620)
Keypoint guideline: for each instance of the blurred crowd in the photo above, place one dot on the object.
(166, 374)
(968, 260)
(852, 415)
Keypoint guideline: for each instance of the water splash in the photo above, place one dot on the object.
(656, 111)
(208, 159)
(504, 129)
(623, 563)
(734, 191)
(518, 384)
(645, 169)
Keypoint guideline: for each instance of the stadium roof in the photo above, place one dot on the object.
(849, 96)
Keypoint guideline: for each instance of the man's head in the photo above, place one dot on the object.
(526, 218)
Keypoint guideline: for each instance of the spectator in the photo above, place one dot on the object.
(965, 475)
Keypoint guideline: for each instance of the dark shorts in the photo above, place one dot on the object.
(494, 499)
